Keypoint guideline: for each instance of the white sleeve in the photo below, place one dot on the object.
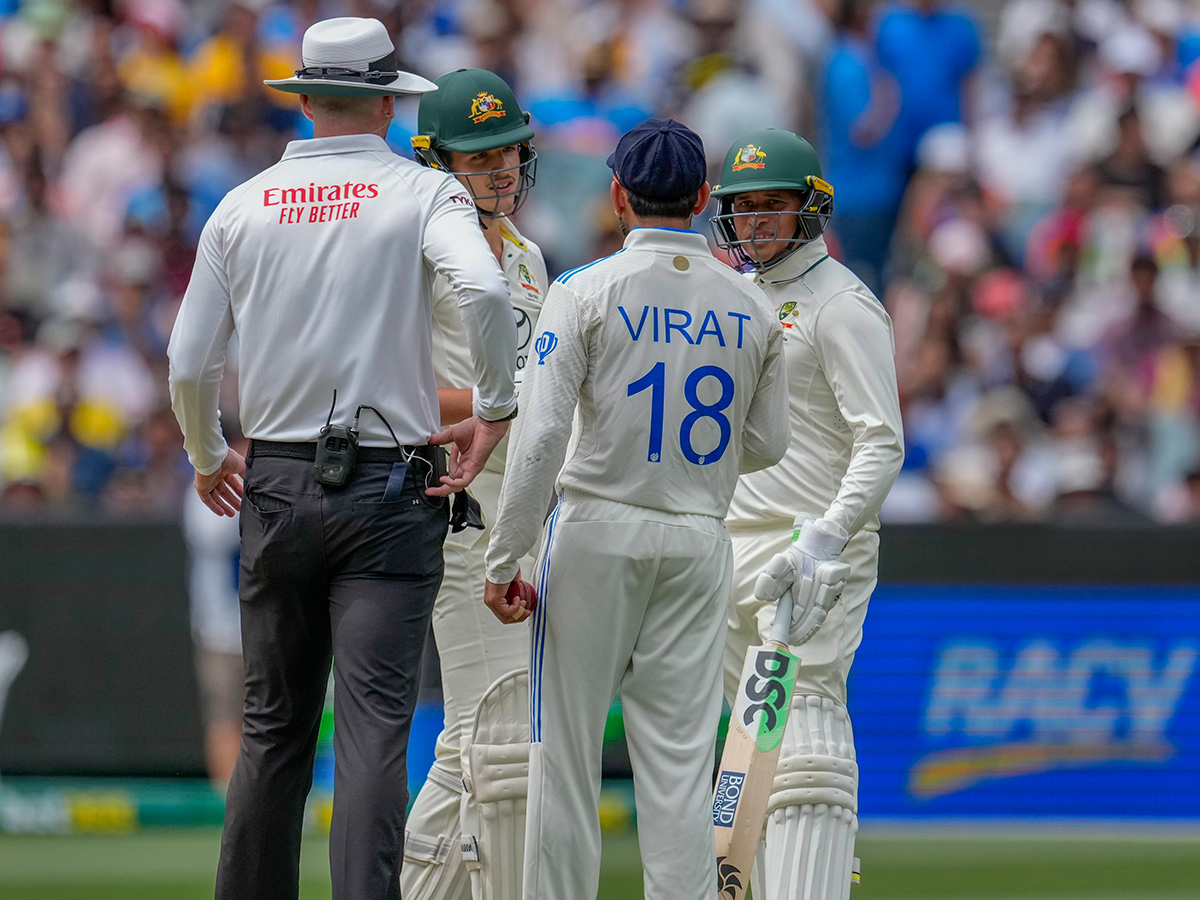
(197, 353)
(767, 430)
(854, 344)
(542, 431)
(457, 249)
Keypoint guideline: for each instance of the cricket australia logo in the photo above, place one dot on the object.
(545, 345)
(729, 879)
(485, 106)
(750, 157)
(769, 688)
(526, 277)
(726, 797)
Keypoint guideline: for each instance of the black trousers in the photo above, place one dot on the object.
(327, 573)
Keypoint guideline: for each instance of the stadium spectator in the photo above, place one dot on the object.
(1010, 266)
(932, 48)
(865, 153)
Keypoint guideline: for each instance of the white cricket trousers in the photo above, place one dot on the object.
(826, 659)
(474, 647)
(635, 599)
(475, 650)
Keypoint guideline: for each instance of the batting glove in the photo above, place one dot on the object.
(811, 570)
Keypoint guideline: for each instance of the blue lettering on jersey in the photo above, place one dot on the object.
(545, 345)
(711, 317)
(672, 326)
(680, 321)
(634, 335)
(742, 320)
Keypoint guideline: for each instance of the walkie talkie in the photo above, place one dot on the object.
(337, 449)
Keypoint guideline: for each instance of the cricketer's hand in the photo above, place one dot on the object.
(811, 570)
(510, 603)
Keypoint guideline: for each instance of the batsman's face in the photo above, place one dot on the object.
(492, 176)
(767, 221)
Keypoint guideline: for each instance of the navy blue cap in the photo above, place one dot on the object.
(660, 159)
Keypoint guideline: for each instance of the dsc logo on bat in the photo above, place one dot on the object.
(768, 690)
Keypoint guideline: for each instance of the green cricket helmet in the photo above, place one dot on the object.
(474, 110)
(770, 160)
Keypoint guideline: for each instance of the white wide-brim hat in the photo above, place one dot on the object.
(350, 57)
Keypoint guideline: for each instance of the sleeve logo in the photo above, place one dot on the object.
(545, 345)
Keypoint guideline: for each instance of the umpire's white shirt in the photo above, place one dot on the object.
(324, 265)
(847, 444)
(676, 365)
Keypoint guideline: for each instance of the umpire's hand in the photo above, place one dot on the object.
(474, 440)
(222, 490)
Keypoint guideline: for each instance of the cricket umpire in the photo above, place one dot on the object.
(323, 265)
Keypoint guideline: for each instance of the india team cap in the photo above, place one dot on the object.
(350, 57)
(660, 159)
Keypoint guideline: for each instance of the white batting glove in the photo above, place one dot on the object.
(811, 570)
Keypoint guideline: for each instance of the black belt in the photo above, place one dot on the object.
(308, 452)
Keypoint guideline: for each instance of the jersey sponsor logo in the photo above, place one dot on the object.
(524, 335)
(319, 202)
(726, 797)
(485, 106)
(750, 157)
(680, 322)
(319, 193)
(1040, 707)
(545, 346)
(463, 199)
(766, 695)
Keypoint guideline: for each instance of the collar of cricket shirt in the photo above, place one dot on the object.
(797, 265)
(667, 240)
(342, 143)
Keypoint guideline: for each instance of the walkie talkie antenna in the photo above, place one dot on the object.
(329, 418)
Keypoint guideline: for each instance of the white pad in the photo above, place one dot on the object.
(433, 866)
(496, 775)
(812, 816)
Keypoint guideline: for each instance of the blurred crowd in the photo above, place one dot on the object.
(1019, 183)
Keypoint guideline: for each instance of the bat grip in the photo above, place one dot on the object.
(782, 623)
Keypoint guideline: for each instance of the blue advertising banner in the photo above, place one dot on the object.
(1028, 700)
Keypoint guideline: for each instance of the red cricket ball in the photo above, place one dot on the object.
(522, 590)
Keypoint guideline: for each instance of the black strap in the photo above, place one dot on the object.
(308, 452)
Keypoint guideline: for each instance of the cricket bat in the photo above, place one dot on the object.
(752, 745)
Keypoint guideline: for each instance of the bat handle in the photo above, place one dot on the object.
(782, 623)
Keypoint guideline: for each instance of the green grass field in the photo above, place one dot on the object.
(178, 864)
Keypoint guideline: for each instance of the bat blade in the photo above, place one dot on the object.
(748, 762)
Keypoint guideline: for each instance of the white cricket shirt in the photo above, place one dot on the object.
(847, 439)
(324, 265)
(675, 363)
(525, 271)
